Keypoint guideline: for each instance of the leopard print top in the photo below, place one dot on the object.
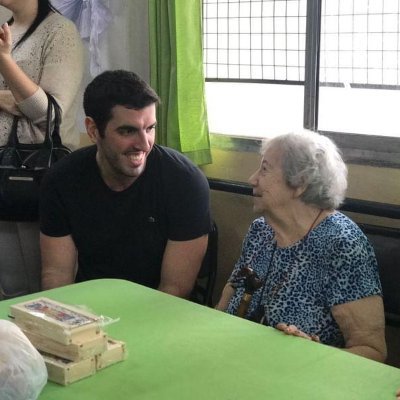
(334, 264)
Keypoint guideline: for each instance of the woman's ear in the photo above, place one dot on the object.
(299, 191)
(91, 129)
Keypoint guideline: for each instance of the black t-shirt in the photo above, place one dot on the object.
(123, 234)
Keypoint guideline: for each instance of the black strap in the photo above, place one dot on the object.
(13, 137)
(52, 137)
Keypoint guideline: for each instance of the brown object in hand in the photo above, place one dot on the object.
(252, 283)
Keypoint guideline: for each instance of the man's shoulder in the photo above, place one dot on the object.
(173, 162)
(168, 154)
(78, 157)
(74, 164)
(174, 170)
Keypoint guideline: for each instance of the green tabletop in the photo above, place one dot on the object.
(180, 350)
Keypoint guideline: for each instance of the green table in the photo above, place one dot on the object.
(180, 350)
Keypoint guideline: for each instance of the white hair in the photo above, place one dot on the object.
(312, 161)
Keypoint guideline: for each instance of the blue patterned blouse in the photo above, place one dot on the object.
(333, 264)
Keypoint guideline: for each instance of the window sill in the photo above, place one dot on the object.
(371, 150)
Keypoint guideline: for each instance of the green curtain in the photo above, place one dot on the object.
(176, 62)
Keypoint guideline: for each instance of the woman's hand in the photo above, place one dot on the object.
(294, 331)
(18, 82)
(5, 40)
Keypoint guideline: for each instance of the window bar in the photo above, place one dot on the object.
(239, 47)
(397, 42)
(338, 42)
(298, 40)
(274, 40)
(228, 53)
(311, 84)
(352, 43)
(251, 47)
(383, 48)
(262, 40)
(367, 80)
(325, 38)
(217, 44)
(286, 41)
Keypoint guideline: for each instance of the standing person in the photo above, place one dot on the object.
(125, 207)
(316, 270)
(40, 51)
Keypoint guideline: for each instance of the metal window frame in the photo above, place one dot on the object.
(375, 150)
(362, 149)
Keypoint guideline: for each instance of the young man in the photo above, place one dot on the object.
(126, 207)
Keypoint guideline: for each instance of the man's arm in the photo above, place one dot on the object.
(362, 323)
(181, 264)
(58, 261)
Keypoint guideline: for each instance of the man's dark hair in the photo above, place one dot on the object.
(44, 7)
(112, 88)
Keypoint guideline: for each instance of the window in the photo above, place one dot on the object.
(272, 66)
(359, 67)
(255, 40)
(248, 44)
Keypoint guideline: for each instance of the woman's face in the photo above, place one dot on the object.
(270, 190)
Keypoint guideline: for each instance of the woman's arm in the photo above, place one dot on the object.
(226, 296)
(7, 103)
(362, 323)
(61, 63)
(19, 83)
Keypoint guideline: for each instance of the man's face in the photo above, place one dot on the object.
(128, 139)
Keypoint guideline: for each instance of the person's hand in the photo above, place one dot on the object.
(294, 331)
(398, 395)
(7, 103)
(5, 40)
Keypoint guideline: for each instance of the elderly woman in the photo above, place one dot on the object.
(309, 268)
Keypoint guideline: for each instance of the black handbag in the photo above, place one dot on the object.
(22, 167)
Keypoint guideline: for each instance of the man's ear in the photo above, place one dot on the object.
(91, 129)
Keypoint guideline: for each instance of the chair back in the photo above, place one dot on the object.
(204, 287)
(386, 244)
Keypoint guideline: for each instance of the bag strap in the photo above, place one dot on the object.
(52, 136)
(13, 137)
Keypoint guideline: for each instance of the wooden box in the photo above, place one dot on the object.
(65, 372)
(60, 322)
(74, 351)
(115, 352)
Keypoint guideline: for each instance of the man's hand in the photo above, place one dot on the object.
(294, 331)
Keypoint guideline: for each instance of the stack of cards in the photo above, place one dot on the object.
(71, 340)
